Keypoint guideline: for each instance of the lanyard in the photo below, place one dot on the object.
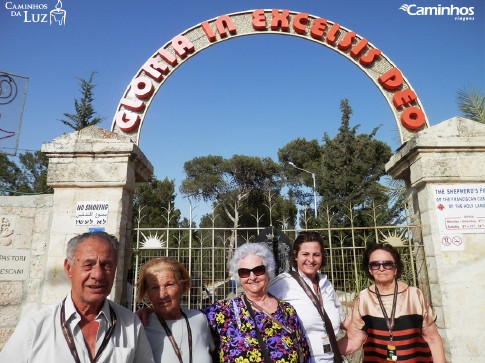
(70, 339)
(389, 321)
(176, 348)
(262, 345)
(273, 319)
(318, 302)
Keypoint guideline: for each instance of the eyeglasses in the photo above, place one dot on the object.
(258, 271)
(387, 265)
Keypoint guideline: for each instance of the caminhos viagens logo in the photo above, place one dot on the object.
(462, 13)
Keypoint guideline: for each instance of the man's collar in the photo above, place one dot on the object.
(71, 312)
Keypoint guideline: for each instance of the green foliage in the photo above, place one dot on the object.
(34, 166)
(153, 204)
(85, 114)
(239, 186)
(471, 104)
(306, 155)
(11, 177)
(348, 169)
(29, 177)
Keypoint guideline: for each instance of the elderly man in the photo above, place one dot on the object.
(85, 326)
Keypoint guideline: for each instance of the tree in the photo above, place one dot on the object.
(27, 178)
(85, 114)
(229, 182)
(11, 178)
(233, 185)
(348, 169)
(471, 104)
(34, 168)
(306, 155)
(155, 199)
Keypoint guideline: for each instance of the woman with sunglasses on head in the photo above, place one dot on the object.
(313, 297)
(393, 319)
(255, 326)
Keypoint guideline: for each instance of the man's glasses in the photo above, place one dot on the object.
(387, 265)
(258, 271)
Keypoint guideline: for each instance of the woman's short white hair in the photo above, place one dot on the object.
(257, 249)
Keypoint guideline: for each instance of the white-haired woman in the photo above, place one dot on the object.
(256, 326)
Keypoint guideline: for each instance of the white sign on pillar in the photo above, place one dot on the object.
(460, 209)
(92, 213)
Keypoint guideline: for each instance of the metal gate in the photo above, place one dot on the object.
(205, 251)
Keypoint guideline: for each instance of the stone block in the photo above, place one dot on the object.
(55, 269)
(33, 290)
(468, 166)
(55, 291)
(10, 292)
(466, 343)
(9, 315)
(42, 221)
(435, 290)
(37, 267)
(5, 334)
(39, 243)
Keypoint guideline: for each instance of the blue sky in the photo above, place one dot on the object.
(249, 95)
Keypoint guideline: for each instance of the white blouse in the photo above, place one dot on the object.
(287, 288)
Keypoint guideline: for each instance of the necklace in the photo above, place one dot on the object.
(271, 317)
(389, 320)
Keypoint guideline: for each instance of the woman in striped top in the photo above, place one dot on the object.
(392, 320)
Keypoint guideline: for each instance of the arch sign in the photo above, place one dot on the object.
(403, 101)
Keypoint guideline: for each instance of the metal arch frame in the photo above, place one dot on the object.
(243, 24)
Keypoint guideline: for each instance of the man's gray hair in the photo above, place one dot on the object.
(257, 249)
(77, 240)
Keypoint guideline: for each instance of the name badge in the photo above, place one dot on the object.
(391, 353)
(327, 348)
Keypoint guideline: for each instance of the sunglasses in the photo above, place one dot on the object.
(258, 271)
(387, 265)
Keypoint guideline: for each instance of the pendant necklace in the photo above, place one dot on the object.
(391, 349)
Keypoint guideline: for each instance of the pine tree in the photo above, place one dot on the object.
(85, 113)
(348, 171)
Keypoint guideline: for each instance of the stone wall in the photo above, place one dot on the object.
(24, 237)
(450, 154)
(88, 166)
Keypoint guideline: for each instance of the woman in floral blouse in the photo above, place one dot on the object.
(255, 326)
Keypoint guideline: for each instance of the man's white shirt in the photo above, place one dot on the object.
(39, 338)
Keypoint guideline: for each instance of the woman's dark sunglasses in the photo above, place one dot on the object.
(258, 271)
(388, 265)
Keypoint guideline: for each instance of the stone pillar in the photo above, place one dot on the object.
(90, 165)
(451, 153)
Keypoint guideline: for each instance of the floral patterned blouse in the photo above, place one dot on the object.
(235, 336)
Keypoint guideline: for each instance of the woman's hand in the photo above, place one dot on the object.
(143, 314)
(352, 341)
